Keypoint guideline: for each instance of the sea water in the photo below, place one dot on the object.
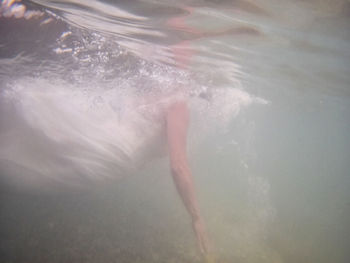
(268, 145)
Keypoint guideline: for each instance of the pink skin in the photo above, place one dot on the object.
(177, 125)
(182, 51)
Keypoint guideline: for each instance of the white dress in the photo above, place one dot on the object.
(53, 133)
(78, 137)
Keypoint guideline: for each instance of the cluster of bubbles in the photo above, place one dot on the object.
(15, 9)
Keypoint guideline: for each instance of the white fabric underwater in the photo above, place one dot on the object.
(74, 136)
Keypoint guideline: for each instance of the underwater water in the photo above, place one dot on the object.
(268, 142)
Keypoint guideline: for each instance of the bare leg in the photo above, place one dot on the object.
(177, 124)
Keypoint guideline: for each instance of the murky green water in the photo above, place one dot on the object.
(272, 178)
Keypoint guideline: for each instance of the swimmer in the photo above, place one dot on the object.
(176, 125)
